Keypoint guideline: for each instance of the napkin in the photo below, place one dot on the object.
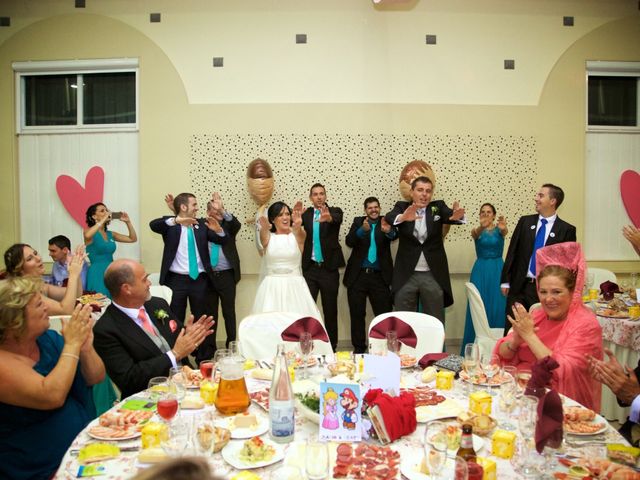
(405, 332)
(398, 413)
(550, 416)
(430, 358)
(608, 288)
(305, 324)
(541, 374)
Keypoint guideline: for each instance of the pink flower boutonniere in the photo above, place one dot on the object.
(173, 325)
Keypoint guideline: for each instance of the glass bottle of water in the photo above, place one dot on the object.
(281, 402)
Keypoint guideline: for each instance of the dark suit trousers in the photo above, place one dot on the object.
(371, 284)
(527, 297)
(326, 282)
(224, 292)
(197, 292)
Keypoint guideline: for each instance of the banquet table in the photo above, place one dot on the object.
(410, 447)
(622, 337)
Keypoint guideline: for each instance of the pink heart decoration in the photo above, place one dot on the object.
(630, 191)
(76, 198)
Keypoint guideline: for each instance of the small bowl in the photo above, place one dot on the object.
(342, 367)
(482, 425)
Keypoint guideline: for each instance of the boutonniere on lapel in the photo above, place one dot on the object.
(434, 213)
(173, 326)
(161, 315)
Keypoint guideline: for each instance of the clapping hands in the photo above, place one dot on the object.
(620, 379)
(458, 212)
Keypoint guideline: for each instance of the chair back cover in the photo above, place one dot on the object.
(259, 335)
(486, 337)
(428, 330)
(161, 291)
(601, 275)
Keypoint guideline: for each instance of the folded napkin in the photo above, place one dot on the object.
(550, 416)
(608, 288)
(405, 332)
(398, 413)
(430, 358)
(305, 324)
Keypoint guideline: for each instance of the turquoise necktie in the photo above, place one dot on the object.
(215, 254)
(317, 249)
(373, 249)
(191, 250)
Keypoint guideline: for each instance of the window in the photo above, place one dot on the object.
(76, 96)
(612, 96)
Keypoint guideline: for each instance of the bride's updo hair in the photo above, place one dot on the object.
(274, 211)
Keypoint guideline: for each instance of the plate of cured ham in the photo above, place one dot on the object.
(481, 379)
(611, 313)
(261, 398)
(583, 421)
(425, 395)
(119, 424)
(364, 460)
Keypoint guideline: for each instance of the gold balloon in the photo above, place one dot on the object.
(260, 181)
(411, 171)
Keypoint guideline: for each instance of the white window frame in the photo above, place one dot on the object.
(612, 69)
(76, 67)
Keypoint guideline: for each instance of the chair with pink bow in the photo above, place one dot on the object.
(259, 334)
(418, 333)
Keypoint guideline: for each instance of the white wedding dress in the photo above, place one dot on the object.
(283, 288)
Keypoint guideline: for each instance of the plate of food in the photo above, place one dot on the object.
(261, 398)
(364, 460)
(413, 467)
(297, 361)
(191, 378)
(113, 433)
(252, 453)
(208, 433)
(447, 409)
(245, 425)
(481, 379)
(119, 424)
(583, 421)
(424, 395)
(94, 299)
(611, 313)
(407, 361)
(308, 405)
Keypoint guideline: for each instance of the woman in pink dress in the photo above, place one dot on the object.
(563, 328)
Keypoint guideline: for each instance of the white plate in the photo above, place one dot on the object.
(410, 467)
(598, 419)
(135, 434)
(231, 454)
(464, 378)
(478, 444)
(259, 429)
(447, 409)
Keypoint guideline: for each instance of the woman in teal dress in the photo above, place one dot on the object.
(101, 244)
(485, 274)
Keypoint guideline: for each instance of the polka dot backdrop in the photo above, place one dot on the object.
(472, 169)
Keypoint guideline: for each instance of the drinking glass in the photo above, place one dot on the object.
(522, 377)
(471, 361)
(177, 440)
(590, 280)
(167, 406)
(177, 383)
(393, 344)
(633, 280)
(527, 418)
(625, 286)
(461, 470)
(206, 369)
(220, 353)
(286, 472)
(316, 462)
(490, 367)
(157, 386)
(306, 346)
(234, 347)
(507, 400)
(435, 447)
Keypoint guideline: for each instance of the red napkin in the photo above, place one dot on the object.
(406, 334)
(608, 288)
(431, 358)
(550, 416)
(305, 324)
(399, 413)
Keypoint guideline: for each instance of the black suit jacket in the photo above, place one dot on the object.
(516, 265)
(171, 238)
(129, 355)
(409, 249)
(360, 250)
(329, 231)
(230, 250)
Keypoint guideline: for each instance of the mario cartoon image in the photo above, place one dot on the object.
(349, 403)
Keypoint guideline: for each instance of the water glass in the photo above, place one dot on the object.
(287, 472)
(522, 377)
(316, 460)
(178, 439)
(527, 418)
(435, 447)
(177, 383)
(490, 367)
(306, 346)
(234, 348)
(507, 400)
(156, 387)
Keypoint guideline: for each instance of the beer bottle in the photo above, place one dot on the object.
(466, 450)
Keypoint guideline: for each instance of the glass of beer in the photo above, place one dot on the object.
(233, 396)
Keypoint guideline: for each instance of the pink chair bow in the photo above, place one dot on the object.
(405, 332)
(305, 324)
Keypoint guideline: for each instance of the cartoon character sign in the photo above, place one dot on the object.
(349, 403)
(330, 420)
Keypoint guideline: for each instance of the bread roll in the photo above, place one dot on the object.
(429, 374)
(192, 403)
(152, 455)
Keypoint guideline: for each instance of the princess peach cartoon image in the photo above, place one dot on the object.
(330, 420)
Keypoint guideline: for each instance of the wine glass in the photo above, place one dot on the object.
(177, 383)
(206, 369)
(471, 361)
(490, 367)
(157, 386)
(167, 406)
(393, 344)
(527, 418)
(522, 377)
(507, 399)
(177, 439)
(435, 447)
(306, 346)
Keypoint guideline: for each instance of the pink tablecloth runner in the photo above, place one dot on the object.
(623, 332)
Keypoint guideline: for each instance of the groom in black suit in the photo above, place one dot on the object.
(186, 264)
(369, 270)
(421, 269)
(138, 337)
(519, 271)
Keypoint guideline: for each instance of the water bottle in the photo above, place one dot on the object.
(281, 403)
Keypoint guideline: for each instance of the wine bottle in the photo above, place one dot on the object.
(281, 403)
(466, 450)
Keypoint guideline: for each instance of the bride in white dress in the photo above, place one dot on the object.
(283, 288)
